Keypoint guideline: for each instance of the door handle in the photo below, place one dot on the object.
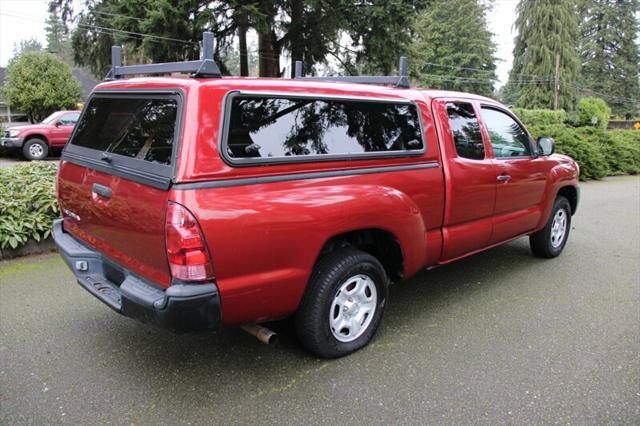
(101, 190)
(503, 178)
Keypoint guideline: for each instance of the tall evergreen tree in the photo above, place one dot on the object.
(547, 38)
(58, 41)
(380, 31)
(609, 52)
(453, 49)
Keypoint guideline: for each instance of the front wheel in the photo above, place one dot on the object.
(35, 149)
(550, 240)
(343, 304)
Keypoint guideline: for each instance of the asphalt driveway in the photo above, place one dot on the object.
(501, 337)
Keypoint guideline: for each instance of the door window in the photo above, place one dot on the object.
(508, 138)
(465, 130)
(69, 119)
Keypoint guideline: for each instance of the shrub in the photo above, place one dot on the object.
(38, 83)
(28, 203)
(621, 149)
(540, 117)
(593, 107)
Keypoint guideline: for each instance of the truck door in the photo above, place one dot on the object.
(521, 176)
(470, 179)
(62, 128)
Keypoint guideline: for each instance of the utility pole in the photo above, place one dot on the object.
(556, 98)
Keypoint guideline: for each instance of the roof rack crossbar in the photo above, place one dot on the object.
(401, 80)
(205, 67)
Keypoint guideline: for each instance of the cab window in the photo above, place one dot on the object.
(508, 138)
(465, 130)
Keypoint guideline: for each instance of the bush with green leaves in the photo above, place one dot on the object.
(28, 203)
(593, 112)
(621, 148)
(539, 117)
(38, 83)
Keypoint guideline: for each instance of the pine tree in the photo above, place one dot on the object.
(609, 53)
(547, 36)
(58, 42)
(453, 48)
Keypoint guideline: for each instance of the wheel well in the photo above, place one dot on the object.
(379, 243)
(36, 136)
(571, 194)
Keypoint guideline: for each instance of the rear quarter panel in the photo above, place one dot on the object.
(265, 238)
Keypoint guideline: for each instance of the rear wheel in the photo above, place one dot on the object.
(35, 149)
(343, 304)
(550, 240)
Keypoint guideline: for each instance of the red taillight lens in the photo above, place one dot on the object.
(186, 249)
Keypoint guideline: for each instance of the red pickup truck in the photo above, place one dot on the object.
(192, 203)
(36, 141)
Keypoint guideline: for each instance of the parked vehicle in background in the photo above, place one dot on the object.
(193, 203)
(36, 141)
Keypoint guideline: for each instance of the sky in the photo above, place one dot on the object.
(24, 19)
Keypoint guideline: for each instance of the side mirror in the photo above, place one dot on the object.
(58, 124)
(546, 146)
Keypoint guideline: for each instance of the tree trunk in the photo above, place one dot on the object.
(269, 54)
(296, 37)
(242, 39)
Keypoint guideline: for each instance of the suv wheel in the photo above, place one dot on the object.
(343, 304)
(550, 240)
(35, 149)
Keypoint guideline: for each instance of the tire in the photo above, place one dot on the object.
(35, 149)
(347, 285)
(550, 240)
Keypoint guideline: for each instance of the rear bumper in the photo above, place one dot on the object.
(11, 142)
(179, 308)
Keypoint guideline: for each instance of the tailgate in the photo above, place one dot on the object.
(114, 178)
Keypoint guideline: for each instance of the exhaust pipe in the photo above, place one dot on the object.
(261, 333)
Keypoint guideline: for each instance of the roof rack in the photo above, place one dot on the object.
(401, 80)
(205, 67)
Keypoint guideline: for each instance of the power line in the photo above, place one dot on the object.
(534, 79)
(114, 30)
(486, 80)
(116, 15)
(603, 95)
(116, 33)
(140, 34)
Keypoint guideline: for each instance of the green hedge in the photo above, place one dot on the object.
(599, 152)
(28, 203)
(531, 117)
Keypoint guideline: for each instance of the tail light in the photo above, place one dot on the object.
(187, 252)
